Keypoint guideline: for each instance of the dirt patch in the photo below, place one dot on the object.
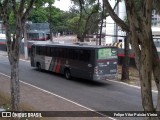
(5, 104)
(134, 77)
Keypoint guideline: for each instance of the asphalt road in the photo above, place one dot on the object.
(97, 95)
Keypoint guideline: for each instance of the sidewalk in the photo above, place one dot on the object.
(37, 99)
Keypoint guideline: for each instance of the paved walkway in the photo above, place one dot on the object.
(37, 99)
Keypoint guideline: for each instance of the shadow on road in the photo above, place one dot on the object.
(91, 83)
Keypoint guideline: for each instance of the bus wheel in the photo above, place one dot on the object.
(39, 66)
(67, 74)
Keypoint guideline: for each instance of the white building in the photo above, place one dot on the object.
(112, 30)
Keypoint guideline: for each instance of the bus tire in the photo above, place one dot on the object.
(39, 66)
(67, 74)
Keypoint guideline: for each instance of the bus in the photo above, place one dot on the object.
(76, 60)
(3, 46)
(38, 35)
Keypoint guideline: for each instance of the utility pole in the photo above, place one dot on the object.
(25, 42)
(26, 27)
(50, 20)
(116, 26)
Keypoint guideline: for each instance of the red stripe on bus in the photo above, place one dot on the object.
(2, 43)
(58, 67)
(122, 55)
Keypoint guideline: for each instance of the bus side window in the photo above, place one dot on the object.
(76, 54)
(47, 36)
(65, 53)
(85, 55)
(52, 51)
(81, 52)
(42, 50)
(33, 51)
(48, 51)
(60, 52)
(70, 55)
(38, 50)
(55, 53)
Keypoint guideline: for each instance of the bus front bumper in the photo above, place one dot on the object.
(105, 77)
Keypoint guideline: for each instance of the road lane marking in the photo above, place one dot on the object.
(24, 60)
(61, 98)
(154, 91)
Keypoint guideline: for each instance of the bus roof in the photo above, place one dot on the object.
(74, 45)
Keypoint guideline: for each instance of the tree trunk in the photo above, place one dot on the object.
(145, 73)
(15, 89)
(13, 53)
(140, 31)
(125, 64)
(101, 27)
(50, 20)
(144, 64)
(14, 40)
(156, 73)
(80, 37)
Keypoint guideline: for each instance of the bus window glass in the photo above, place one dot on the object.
(84, 55)
(41, 35)
(38, 50)
(105, 53)
(47, 36)
(33, 36)
(48, 51)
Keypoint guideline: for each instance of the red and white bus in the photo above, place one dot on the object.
(38, 35)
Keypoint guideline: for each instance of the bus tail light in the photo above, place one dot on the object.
(96, 70)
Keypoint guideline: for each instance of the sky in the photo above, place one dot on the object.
(62, 4)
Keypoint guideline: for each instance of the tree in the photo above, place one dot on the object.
(60, 19)
(88, 14)
(39, 15)
(21, 10)
(146, 56)
(91, 14)
(50, 19)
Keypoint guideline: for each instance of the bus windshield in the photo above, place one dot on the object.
(105, 53)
